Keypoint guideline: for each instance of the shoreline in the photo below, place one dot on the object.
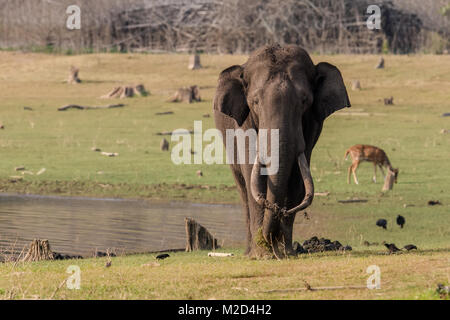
(91, 190)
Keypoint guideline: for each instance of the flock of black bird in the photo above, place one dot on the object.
(382, 223)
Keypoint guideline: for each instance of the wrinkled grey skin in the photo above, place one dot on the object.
(277, 88)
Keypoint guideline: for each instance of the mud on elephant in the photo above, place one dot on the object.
(279, 87)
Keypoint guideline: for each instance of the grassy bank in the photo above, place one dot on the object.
(61, 142)
(196, 276)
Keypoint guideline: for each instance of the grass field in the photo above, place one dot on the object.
(61, 142)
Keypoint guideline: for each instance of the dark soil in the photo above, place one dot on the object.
(319, 245)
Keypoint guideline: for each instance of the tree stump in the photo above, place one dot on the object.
(356, 85)
(380, 64)
(388, 101)
(126, 92)
(194, 62)
(39, 250)
(164, 145)
(73, 76)
(389, 181)
(197, 237)
(187, 94)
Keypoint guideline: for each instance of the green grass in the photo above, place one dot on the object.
(197, 276)
(61, 142)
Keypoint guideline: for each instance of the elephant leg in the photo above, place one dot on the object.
(355, 167)
(240, 183)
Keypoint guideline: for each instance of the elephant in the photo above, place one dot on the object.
(279, 87)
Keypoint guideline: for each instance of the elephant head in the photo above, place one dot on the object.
(280, 88)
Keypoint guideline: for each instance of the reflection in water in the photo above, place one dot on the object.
(82, 225)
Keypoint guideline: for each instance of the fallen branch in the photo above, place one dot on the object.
(169, 133)
(75, 106)
(353, 201)
(219, 254)
(315, 289)
(163, 113)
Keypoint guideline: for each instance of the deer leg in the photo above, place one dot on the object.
(355, 166)
(382, 171)
(374, 179)
(349, 173)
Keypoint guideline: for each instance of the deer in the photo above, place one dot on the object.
(363, 152)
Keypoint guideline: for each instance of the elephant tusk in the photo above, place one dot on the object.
(255, 183)
(309, 185)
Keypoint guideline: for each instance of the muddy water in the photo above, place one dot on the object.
(82, 225)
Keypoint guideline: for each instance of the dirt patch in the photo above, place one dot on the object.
(319, 245)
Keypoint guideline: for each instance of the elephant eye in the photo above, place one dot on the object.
(256, 101)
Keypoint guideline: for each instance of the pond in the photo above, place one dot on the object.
(83, 225)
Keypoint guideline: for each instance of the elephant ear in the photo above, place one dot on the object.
(230, 97)
(330, 94)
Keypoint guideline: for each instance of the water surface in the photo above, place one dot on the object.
(83, 225)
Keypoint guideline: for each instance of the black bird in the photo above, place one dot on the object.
(434, 203)
(391, 247)
(410, 247)
(162, 256)
(401, 221)
(382, 223)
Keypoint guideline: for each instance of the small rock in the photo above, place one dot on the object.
(21, 168)
(96, 149)
(199, 173)
(41, 171)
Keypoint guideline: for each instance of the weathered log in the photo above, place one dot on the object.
(389, 101)
(75, 106)
(197, 237)
(353, 201)
(126, 92)
(73, 76)
(220, 254)
(169, 133)
(39, 250)
(194, 62)
(389, 181)
(187, 94)
(163, 113)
